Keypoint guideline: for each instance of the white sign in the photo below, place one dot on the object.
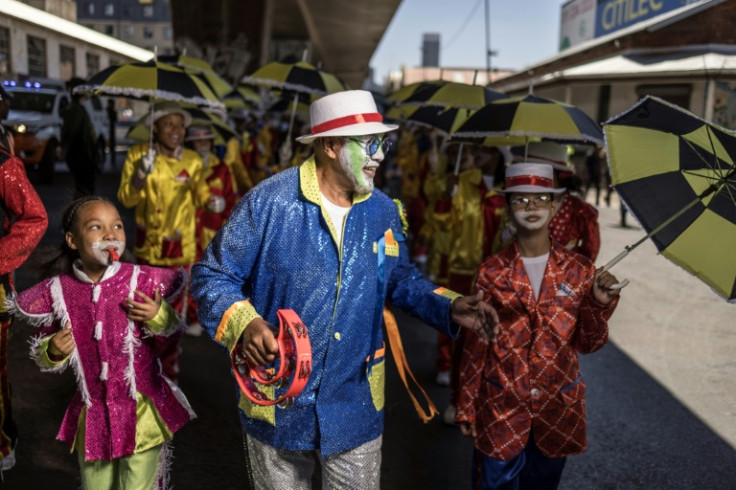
(577, 22)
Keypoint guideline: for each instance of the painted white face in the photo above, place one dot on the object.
(108, 251)
(531, 220)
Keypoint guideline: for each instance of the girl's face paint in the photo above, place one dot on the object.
(99, 230)
(531, 220)
(108, 251)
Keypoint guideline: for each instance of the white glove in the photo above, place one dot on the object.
(147, 161)
(216, 204)
(285, 154)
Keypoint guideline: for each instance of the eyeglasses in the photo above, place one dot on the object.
(541, 201)
(372, 145)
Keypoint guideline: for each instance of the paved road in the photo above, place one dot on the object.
(660, 395)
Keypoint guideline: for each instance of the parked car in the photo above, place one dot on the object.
(35, 118)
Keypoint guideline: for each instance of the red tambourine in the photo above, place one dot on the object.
(294, 361)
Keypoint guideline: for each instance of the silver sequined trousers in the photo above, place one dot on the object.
(279, 469)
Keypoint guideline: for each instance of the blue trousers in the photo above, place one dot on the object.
(530, 470)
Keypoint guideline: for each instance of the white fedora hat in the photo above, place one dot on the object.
(554, 154)
(530, 177)
(199, 132)
(164, 108)
(348, 113)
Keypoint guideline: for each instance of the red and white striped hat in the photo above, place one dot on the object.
(348, 113)
(531, 178)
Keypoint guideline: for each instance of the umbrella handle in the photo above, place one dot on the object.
(614, 261)
(619, 285)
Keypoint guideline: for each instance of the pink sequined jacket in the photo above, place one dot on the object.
(114, 358)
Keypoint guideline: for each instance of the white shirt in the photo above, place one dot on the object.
(337, 216)
(534, 267)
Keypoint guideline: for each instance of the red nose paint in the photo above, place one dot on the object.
(113, 254)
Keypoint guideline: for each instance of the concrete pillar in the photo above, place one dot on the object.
(267, 28)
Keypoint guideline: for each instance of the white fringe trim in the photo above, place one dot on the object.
(165, 462)
(35, 354)
(147, 93)
(179, 395)
(103, 372)
(35, 320)
(98, 331)
(62, 314)
(96, 293)
(131, 343)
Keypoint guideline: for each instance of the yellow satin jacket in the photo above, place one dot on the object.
(165, 207)
(467, 224)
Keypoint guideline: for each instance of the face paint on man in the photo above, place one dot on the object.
(358, 166)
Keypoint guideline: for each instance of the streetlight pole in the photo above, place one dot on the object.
(489, 52)
(488, 41)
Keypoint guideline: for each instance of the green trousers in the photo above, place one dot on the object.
(134, 472)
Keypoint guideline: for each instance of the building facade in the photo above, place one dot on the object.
(144, 23)
(686, 55)
(38, 44)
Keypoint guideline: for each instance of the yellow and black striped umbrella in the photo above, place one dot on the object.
(531, 117)
(445, 119)
(295, 76)
(399, 97)
(152, 80)
(198, 66)
(452, 94)
(676, 173)
(242, 97)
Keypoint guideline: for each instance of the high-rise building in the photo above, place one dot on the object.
(431, 49)
(145, 23)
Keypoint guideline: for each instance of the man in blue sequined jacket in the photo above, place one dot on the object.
(320, 240)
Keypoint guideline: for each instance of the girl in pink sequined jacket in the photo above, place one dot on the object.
(101, 316)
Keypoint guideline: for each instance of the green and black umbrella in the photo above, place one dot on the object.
(676, 173)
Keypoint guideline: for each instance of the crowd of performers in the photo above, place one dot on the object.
(184, 188)
(457, 216)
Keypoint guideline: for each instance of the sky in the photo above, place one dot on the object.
(523, 32)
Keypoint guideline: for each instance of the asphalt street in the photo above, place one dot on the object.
(661, 397)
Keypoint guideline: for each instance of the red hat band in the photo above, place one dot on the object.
(346, 121)
(529, 180)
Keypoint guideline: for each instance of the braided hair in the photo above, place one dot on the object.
(54, 260)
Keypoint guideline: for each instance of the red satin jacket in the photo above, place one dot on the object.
(529, 378)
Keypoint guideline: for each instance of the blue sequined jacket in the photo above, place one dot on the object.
(278, 250)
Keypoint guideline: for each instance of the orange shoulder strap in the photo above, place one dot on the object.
(397, 352)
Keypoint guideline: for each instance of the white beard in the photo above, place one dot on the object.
(344, 158)
(521, 216)
(101, 248)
